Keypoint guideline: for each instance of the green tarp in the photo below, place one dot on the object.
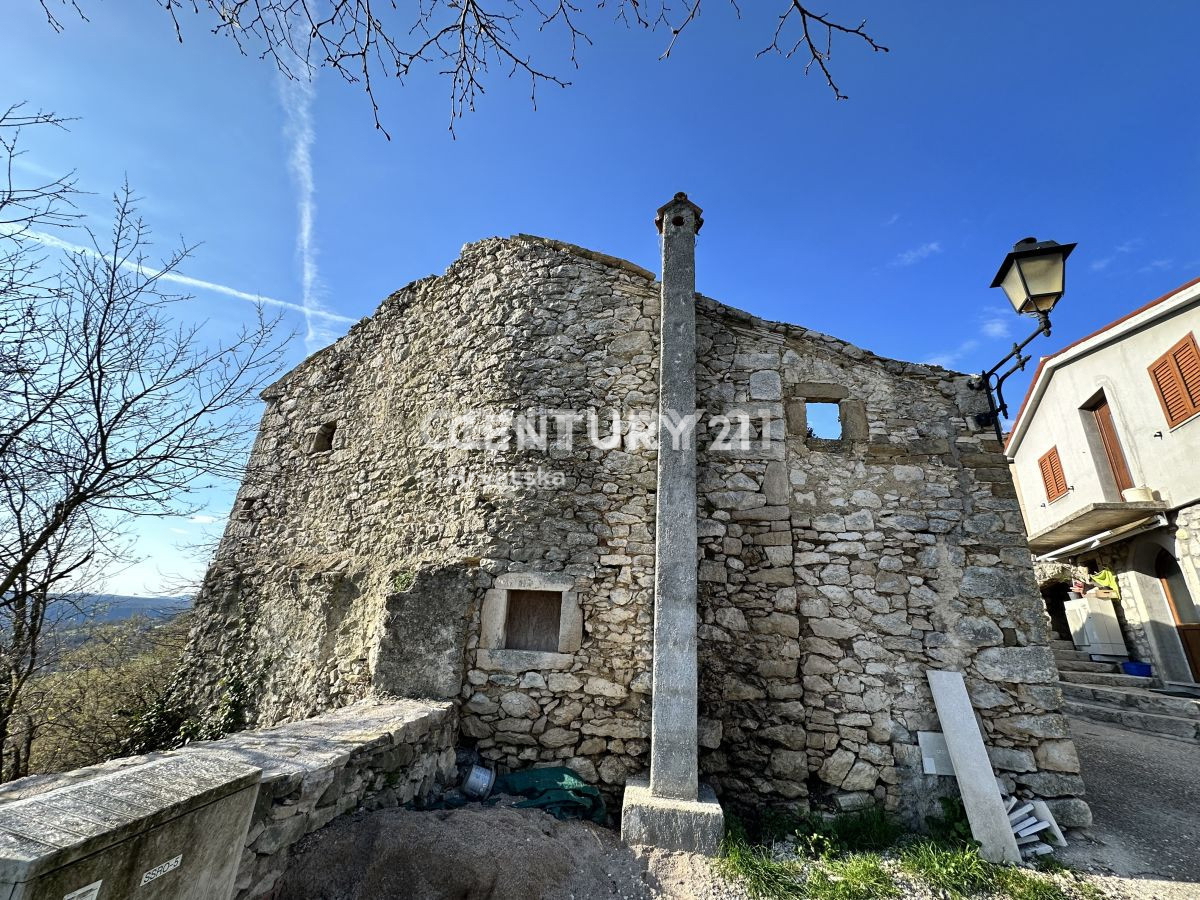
(558, 791)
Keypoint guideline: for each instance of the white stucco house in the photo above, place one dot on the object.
(1105, 453)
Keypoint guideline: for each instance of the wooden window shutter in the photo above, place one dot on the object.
(1176, 377)
(1052, 475)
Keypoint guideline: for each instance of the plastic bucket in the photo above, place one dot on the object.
(1140, 669)
(478, 783)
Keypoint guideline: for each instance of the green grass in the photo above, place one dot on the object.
(958, 871)
(1021, 884)
(764, 877)
(844, 863)
(858, 877)
(869, 830)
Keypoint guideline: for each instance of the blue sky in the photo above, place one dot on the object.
(879, 219)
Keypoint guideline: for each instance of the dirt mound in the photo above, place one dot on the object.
(472, 853)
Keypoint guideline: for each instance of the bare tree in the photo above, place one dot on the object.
(102, 685)
(109, 410)
(464, 40)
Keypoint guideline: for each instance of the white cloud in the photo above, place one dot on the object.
(1129, 246)
(1157, 265)
(910, 257)
(202, 519)
(1099, 265)
(997, 325)
(180, 531)
(49, 240)
(297, 95)
(950, 358)
(892, 220)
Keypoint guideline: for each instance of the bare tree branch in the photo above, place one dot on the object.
(109, 410)
(464, 41)
(810, 21)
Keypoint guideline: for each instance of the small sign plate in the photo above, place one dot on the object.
(90, 892)
(935, 757)
(162, 869)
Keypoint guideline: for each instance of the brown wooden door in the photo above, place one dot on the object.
(1183, 608)
(1112, 445)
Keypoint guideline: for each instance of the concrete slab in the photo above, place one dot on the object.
(976, 781)
(179, 822)
(697, 826)
(1054, 835)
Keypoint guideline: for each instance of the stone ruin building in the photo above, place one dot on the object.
(394, 537)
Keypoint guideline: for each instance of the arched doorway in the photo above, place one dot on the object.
(1183, 607)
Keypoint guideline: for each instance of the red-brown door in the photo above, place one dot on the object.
(1183, 608)
(1112, 445)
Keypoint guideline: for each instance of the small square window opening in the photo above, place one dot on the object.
(532, 622)
(323, 439)
(824, 420)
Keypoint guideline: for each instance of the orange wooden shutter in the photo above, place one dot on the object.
(1176, 377)
(1052, 475)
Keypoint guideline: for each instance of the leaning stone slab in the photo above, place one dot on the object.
(976, 781)
(696, 826)
(170, 828)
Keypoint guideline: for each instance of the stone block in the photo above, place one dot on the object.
(1058, 756)
(693, 826)
(1021, 665)
(1071, 812)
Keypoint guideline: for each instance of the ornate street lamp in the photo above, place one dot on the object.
(1033, 277)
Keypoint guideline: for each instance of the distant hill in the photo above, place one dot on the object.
(107, 608)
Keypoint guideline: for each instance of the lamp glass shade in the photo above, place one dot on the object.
(1014, 288)
(1043, 277)
(1033, 275)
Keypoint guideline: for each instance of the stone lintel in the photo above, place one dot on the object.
(518, 661)
(695, 826)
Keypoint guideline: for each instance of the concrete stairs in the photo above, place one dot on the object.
(1101, 692)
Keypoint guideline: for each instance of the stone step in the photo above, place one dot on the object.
(1164, 726)
(1062, 645)
(1086, 665)
(1105, 679)
(1137, 700)
(1072, 656)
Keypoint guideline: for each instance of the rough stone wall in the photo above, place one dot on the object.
(1187, 544)
(832, 573)
(835, 573)
(1184, 526)
(335, 562)
(367, 756)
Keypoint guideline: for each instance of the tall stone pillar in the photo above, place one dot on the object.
(670, 809)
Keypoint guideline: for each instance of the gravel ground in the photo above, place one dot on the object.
(1145, 797)
(1144, 794)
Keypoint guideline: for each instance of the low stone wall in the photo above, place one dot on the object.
(368, 755)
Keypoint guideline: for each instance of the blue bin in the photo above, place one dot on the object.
(1140, 669)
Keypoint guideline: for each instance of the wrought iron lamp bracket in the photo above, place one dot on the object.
(993, 379)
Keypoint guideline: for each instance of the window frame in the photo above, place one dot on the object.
(494, 655)
(1190, 392)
